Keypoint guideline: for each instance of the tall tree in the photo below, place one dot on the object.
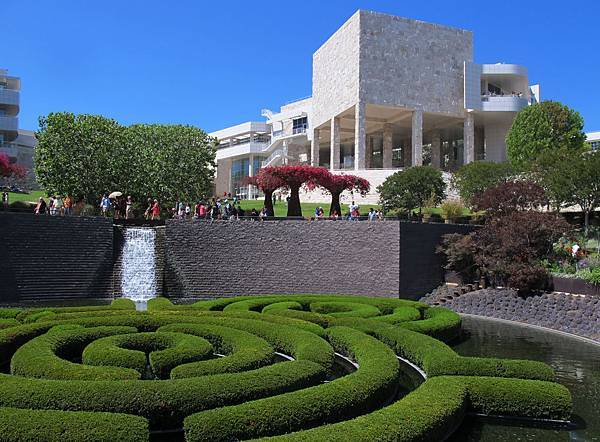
(76, 154)
(336, 184)
(541, 127)
(267, 183)
(87, 155)
(570, 178)
(412, 188)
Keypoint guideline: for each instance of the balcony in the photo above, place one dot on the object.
(10, 149)
(9, 97)
(503, 103)
(9, 124)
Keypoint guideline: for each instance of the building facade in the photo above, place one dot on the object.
(593, 139)
(17, 143)
(387, 93)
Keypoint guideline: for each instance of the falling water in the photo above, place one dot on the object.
(138, 273)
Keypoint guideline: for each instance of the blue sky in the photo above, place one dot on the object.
(217, 63)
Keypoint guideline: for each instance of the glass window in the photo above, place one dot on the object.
(299, 125)
(240, 170)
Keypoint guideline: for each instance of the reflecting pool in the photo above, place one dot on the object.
(577, 365)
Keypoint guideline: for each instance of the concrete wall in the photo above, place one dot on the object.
(55, 258)
(244, 258)
(413, 64)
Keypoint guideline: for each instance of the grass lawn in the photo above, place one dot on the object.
(308, 209)
(33, 196)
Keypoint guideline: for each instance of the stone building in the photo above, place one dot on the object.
(387, 93)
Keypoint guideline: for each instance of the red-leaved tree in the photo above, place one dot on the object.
(336, 184)
(509, 197)
(7, 169)
(294, 177)
(268, 184)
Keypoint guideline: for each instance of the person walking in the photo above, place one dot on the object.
(40, 207)
(59, 206)
(68, 205)
(155, 210)
(5, 200)
(372, 214)
(129, 208)
(105, 204)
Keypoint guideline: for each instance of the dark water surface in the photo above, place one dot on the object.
(577, 366)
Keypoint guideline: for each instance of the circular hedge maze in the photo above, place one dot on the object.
(254, 367)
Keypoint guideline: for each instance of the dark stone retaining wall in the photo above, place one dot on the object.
(579, 315)
(421, 268)
(206, 259)
(55, 258)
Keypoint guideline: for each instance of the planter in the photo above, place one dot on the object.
(574, 285)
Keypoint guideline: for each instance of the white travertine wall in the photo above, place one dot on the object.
(413, 64)
(335, 72)
(495, 141)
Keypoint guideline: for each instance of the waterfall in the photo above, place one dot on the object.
(138, 272)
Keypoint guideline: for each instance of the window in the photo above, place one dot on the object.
(595, 145)
(239, 171)
(299, 125)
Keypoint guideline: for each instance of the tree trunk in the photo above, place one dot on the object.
(294, 208)
(335, 204)
(269, 203)
(586, 221)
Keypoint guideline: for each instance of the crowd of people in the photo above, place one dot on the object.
(227, 208)
(57, 205)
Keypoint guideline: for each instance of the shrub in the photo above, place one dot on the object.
(411, 188)
(349, 396)
(452, 210)
(68, 426)
(475, 178)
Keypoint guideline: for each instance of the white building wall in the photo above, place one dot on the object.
(335, 72)
(495, 141)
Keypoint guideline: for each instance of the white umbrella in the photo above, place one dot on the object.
(115, 195)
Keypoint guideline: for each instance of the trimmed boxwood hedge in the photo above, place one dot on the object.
(373, 383)
(67, 426)
(242, 350)
(166, 351)
(431, 412)
(240, 395)
(46, 356)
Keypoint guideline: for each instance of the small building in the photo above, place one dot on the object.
(387, 93)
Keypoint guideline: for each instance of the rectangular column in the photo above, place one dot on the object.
(314, 149)
(417, 137)
(436, 147)
(250, 173)
(469, 138)
(387, 145)
(360, 135)
(334, 164)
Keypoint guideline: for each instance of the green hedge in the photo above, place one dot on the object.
(242, 350)
(441, 323)
(8, 322)
(400, 314)
(8, 313)
(361, 392)
(47, 356)
(116, 304)
(166, 351)
(517, 397)
(65, 426)
(431, 412)
(345, 309)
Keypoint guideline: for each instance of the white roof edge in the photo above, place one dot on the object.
(593, 136)
(240, 129)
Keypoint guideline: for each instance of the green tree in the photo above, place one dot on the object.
(76, 154)
(475, 178)
(570, 178)
(541, 127)
(412, 188)
(87, 155)
(170, 162)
